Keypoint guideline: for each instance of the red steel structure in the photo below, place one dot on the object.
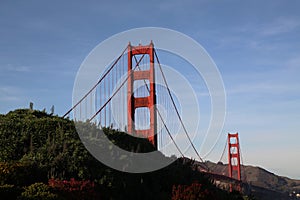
(139, 102)
(234, 155)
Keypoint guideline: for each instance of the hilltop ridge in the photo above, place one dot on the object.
(259, 177)
(42, 157)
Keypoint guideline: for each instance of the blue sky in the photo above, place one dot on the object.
(255, 45)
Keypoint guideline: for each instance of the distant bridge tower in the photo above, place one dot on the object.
(234, 155)
(145, 101)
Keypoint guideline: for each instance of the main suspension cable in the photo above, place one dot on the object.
(112, 66)
(177, 112)
(160, 116)
(116, 91)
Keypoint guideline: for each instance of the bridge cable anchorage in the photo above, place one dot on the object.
(106, 73)
(116, 91)
(177, 112)
(160, 116)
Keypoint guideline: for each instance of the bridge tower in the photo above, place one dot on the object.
(234, 155)
(148, 102)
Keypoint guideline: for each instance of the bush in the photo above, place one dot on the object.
(9, 191)
(74, 189)
(37, 191)
(20, 173)
(194, 191)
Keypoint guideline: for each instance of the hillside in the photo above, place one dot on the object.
(257, 176)
(42, 157)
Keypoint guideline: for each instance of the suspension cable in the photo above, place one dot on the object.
(244, 168)
(213, 169)
(116, 91)
(177, 112)
(160, 116)
(223, 152)
(112, 66)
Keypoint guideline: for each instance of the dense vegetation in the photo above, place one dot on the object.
(42, 157)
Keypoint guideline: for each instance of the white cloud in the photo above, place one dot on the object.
(279, 78)
(276, 26)
(293, 63)
(179, 5)
(255, 35)
(8, 94)
(279, 26)
(264, 88)
(16, 68)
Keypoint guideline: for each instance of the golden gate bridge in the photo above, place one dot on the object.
(126, 97)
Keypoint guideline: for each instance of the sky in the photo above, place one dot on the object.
(255, 45)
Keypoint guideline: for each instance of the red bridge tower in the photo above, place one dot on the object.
(138, 102)
(234, 155)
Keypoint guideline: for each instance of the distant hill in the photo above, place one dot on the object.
(261, 178)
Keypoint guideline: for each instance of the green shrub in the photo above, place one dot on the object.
(20, 173)
(37, 191)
